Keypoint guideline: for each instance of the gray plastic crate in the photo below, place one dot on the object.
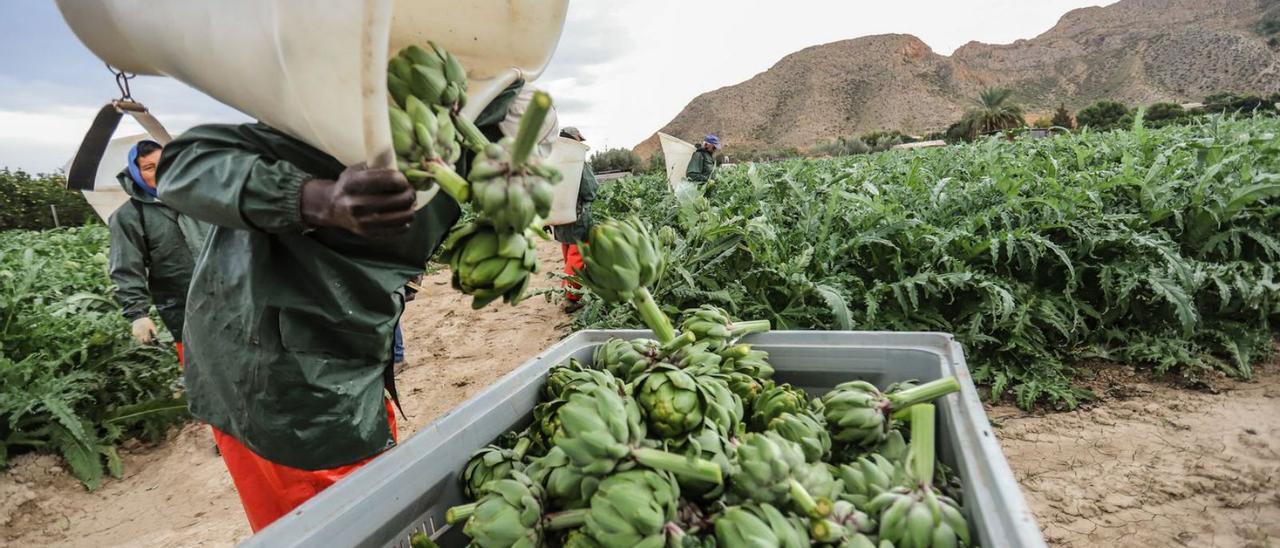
(409, 488)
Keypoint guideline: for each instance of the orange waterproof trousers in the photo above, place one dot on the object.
(269, 490)
(572, 261)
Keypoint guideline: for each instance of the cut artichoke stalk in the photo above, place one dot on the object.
(919, 515)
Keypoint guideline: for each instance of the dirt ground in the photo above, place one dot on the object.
(1148, 466)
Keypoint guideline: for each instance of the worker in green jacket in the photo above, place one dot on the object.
(153, 250)
(703, 162)
(291, 312)
(572, 234)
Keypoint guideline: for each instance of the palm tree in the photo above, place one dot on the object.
(994, 112)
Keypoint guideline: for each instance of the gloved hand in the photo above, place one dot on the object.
(144, 330)
(374, 203)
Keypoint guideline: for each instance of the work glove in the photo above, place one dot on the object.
(144, 330)
(374, 203)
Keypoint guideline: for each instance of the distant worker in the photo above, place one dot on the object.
(153, 250)
(569, 235)
(703, 162)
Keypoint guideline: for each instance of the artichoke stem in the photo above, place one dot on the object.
(924, 393)
(922, 454)
(742, 329)
(696, 469)
(567, 519)
(471, 135)
(825, 530)
(653, 316)
(530, 126)
(685, 339)
(522, 446)
(460, 513)
(450, 181)
(804, 500)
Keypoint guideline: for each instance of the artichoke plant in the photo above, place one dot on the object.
(858, 413)
(602, 432)
(622, 261)
(917, 515)
(489, 464)
(805, 429)
(759, 526)
(714, 326)
(678, 401)
(766, 471)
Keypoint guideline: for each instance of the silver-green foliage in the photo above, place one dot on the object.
(1150, 247)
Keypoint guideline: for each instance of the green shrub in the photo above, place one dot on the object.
(616, 159)
(25, 201)
(1105, 115)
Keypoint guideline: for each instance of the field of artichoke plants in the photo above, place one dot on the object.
(1155, 248)
(72, 380)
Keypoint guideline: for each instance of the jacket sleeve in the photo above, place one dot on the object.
(227, 185)
(696, 169)
(588, 186)
(127, 261)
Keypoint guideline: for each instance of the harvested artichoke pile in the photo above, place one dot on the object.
(684, 440)
(507, 185)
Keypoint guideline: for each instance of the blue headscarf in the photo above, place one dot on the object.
(715, 141)
(135, 173)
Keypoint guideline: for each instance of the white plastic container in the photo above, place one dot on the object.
(316, 69)
(107, 196)
(677, 153)
(569, 156)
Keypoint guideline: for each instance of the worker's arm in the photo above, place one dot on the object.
(227, 185)
(588, 185)
(127, 262)
(224, 182)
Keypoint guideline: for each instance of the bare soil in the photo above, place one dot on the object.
(1150, 465)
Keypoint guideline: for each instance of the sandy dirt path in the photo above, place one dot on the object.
(1149, 466)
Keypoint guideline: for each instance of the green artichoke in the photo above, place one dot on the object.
(807, 430)
(602, 432)
(677, 401)
(627, 360)
(858, 413)
(489, 464)
(564, 379)
(622, 261)
(773, 401)
(714, 326)
(759, 526)
(766, 469)
(818, 479)
(488, 264)
(633, 508)
(708, 444)
(867, 477)
(510, 197)
(742, 358)
(566, 487)
(509, 514)
(917, 515)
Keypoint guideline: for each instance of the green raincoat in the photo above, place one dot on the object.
(153, 250)
(701, 166)
(289, 329)
(576, 232)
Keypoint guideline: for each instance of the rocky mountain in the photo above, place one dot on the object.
(1133, 51)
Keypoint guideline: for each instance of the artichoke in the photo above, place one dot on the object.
(867, 477)
(818, 479)
(766, 471)
(627, 360)
(489, 464)
(858, 413)
(488, 264)
(677, 401)
(742, 358)
(511, 197)
(633, 508)
(714, 326)
(565, 379)
(805, 429)
(566, 487)
(773, 401)
(709, 444)
(759, 526)
(622, 261)
(917, 515)
(509, 514)
(602, 432)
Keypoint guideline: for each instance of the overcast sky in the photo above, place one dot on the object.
(623, 69)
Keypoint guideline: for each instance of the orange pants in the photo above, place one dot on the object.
(180, 362)
(269, 490)
(572, 262)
